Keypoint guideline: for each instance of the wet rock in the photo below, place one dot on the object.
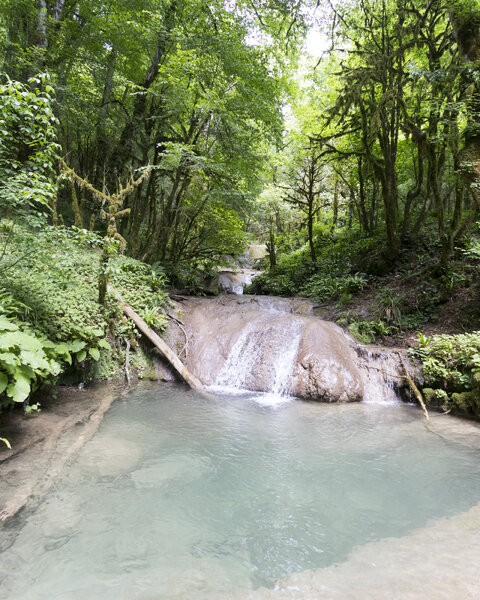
(467, 402)
(435, 398)
(325, 367)
(476, 380)
(233, 281)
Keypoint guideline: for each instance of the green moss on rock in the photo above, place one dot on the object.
(476, 380)
(467, 403)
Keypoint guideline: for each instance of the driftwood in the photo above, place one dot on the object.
(415, 390)
(161, 346)
(182, 328)
(411, 384)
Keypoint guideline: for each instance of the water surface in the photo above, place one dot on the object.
(184, 496)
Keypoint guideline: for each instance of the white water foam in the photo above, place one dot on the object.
(244, 356)
(286, 362)
(268, 342)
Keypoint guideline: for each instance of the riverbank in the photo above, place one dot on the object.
(43, 444)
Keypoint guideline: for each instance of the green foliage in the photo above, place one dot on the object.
(27, 361)
(331, 276)
(325, 287)
(54, 289)
(28, 148)
(449, 361)
(472, 251)
(142, 287)
(390, 307)
(366, 332)
(451, 366)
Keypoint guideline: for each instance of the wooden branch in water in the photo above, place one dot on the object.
(182, 328)
(415, 390)
(411, 384)
(386, 373)
(163, 348)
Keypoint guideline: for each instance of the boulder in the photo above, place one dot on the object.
(325, 368)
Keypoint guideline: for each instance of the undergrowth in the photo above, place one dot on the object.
(51, 324)
(332, 276)
(451, 367)
(366, 295)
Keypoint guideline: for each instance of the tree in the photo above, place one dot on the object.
(303, 189)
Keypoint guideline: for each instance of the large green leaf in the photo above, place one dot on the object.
(6, 325)
(63, 350)
(104, 344)
(36, 360)
(19, 339)
(19, 390)
(77, 345)
(9, 358)
(94, 353)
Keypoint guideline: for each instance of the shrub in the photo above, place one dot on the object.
(27, 361)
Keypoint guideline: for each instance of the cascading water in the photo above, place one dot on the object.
(276, 347)
(286, 361)
(266, 350)
(241, 361)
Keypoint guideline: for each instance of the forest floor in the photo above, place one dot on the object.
(449, 310)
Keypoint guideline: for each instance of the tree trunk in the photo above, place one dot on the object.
(272, 252)
(310, 216)
(335, 205)
(126, 145)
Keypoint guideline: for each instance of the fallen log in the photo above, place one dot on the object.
(161, 346)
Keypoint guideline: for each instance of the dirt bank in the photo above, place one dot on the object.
(43, 444)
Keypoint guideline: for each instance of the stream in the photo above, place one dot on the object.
(185, 496)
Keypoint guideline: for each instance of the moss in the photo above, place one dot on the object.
(107, 367)
(467, 403)
(363, 337)
(436, 398)
(476, 380)
(429, 396)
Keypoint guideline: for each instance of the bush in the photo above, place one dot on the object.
(451, 366)
(332, 275)
(27, 361)
(50, 293)
(28, 148)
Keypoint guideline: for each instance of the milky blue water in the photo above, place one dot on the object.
(184, 496)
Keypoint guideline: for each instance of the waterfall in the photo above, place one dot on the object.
(286, 362)
(381, 376)
(275, 347)
(241, 361)
(265, 352)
